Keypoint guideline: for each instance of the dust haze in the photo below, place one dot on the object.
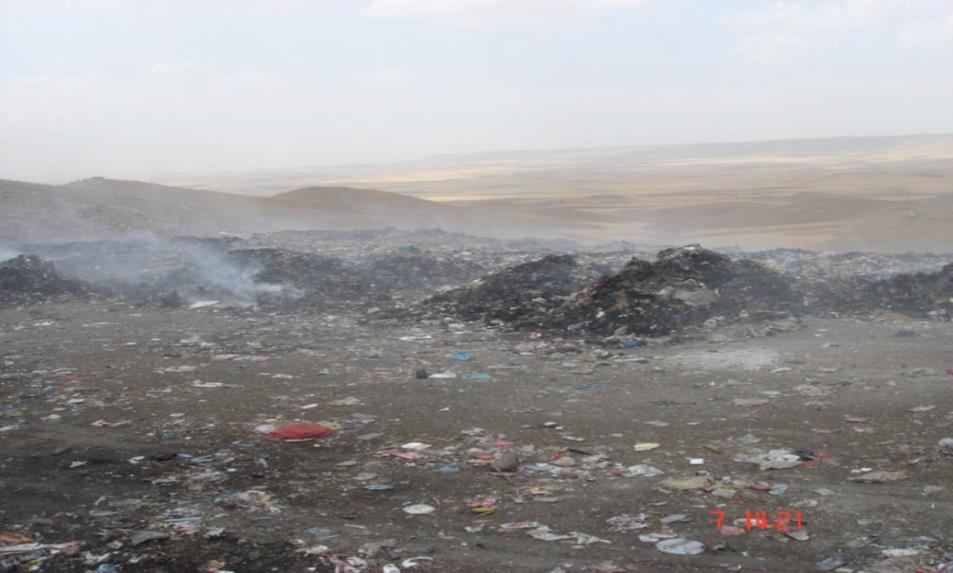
(391, 286)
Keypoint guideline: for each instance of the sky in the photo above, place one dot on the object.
(140, 88)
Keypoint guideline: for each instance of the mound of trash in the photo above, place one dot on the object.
(301, 270)
(684, 286)
(303, 280)
(412, 268)
(522, 295)
(918, 293)
(28, 279)
(926, 294)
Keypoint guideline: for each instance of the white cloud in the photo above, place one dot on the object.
(812, 15)
(112, 5)
(271, 7)
(489, 12)
(389, 77)
(175, 70)
(777, 46)
(787, 30)
(928, 34)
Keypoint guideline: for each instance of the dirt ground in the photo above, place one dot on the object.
(117, 420)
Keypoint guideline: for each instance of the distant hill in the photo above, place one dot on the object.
(597, 169)
(892, 193)
(99, 208)
(321, 195)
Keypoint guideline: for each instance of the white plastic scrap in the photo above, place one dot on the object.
(419, 509)
(680, 546)
(773, 460)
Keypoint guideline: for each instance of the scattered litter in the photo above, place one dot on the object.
(697, 482)
(750, 402)
(443, 375)
(772, 460)
(419, 509)
(880, 477)
(299, 432)
(140, 537)
(642, 470)
(680, 546)
(946, 446)
(831, 563)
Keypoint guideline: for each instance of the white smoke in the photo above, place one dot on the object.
(145, 263)
(7, 253)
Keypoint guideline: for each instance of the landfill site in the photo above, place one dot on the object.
(476, 286)
(430, 401)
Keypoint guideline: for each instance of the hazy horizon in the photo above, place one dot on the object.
(170, 177)
(133, 89)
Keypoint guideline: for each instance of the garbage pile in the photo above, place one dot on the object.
(302, 280)
(810, 265)
(522, 296)
(918, 294)
(312, 280)
(393, 271)
(342, 243)
(684, 286)
(861, 283)
(28, 279)
(151, 269)
(411, 268)
(213, 437)
(301, 270)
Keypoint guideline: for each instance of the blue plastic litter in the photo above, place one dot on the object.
(588, 386)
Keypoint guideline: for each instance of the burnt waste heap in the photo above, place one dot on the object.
(520, 297)
(582, 294)
(28, 279)
(683, 287)
(918, 294)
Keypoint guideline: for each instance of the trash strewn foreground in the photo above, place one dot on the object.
(680, 412)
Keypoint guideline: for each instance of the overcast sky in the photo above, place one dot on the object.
(134, 88)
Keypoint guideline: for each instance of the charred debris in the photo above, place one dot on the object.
(552, 287)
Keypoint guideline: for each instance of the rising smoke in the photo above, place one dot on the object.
(7, 253)
(145, 264)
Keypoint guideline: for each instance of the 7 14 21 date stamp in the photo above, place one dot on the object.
(780, 520)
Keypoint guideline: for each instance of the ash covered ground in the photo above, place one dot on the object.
(534, 406)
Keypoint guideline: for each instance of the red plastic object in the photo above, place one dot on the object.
(300, 432)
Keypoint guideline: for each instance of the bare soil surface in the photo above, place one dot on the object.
(117, 419)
